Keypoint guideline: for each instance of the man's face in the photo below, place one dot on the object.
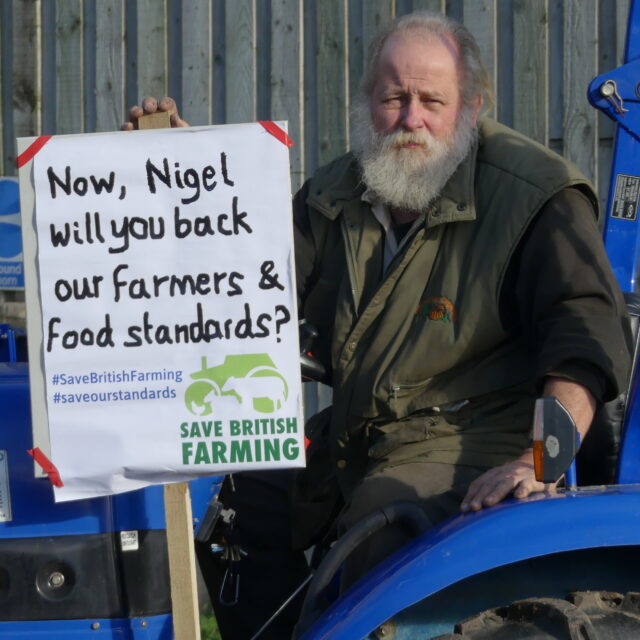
(414, 131)
(417, 87)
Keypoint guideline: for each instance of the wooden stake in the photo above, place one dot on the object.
(157, 120)
(177, 507)
(182, 565)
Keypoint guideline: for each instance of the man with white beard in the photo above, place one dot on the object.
(487, 217)
(407, 169)
(455, 273)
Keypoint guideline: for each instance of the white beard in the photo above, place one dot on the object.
(409, 178)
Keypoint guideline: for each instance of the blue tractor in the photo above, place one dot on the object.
(559, 565)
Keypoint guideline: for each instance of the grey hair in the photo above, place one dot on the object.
(475, 79)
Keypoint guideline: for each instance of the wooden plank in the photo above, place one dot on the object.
(89, 88)
(556, 74)
(607, 54)
(376, 15)
(332, 79)
(48, 68)
(310, 58)
(609, 36)
(158, 120)
(403, 7)
(439, 6)
(131, 93)
(26, 89)
(454, 9)
(481, 18)
(287, 100)
(196, 62)
(182, 566)
(110, 106)
(240, 34)
(219, 59)
(530, 77)
(69, 102)
(175, 50)
(580, 67)
(365, 20)
(152, 48)
(622, 19)
(504, 104)
(355, 43)
(263, 60)
(605, 159)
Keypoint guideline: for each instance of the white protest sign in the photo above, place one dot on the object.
(167, 294)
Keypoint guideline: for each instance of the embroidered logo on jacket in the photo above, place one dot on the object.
(441, 309)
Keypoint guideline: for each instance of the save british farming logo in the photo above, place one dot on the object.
(439, 309)
(225, 398)
(252, 379)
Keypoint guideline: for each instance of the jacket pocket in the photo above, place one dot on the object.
(399, 390)
(383, 439)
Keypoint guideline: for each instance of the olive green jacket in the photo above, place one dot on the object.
(422, 367)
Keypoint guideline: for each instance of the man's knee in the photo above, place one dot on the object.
(436, 488)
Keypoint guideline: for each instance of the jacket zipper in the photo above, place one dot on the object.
(351, 266)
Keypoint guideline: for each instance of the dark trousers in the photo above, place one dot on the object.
(437, 488)
(272, 570)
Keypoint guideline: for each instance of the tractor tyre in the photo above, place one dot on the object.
(583, 615)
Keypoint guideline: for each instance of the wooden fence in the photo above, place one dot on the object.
(73, 65)
(68, 66)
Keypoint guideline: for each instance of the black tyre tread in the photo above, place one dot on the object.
(583, 615)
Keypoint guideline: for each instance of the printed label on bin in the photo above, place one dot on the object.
(129, 540)
(5, 493)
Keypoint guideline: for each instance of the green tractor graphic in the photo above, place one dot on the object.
(252, 379)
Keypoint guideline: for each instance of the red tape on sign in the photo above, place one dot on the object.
(277, 132)
(31, 150)
(47, 466)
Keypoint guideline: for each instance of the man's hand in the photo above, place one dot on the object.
(517, 478)
(151, 105)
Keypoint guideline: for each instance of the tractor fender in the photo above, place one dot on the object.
(469, 544)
